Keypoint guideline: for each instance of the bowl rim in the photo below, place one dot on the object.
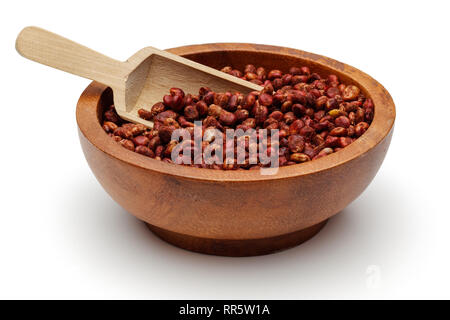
(382, 124)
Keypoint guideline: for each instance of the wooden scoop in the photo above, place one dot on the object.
(139, 82)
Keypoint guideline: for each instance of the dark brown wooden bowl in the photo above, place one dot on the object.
(238, 213)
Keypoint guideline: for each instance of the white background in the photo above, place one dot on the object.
(62, 236)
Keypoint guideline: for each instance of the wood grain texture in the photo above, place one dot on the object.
(238, 248)
(137, 83)
(243, 207)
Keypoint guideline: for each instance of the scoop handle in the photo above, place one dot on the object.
(58, 52)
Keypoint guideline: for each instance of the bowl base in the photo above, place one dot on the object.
(238, 248)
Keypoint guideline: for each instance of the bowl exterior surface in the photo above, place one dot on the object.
(237, 207)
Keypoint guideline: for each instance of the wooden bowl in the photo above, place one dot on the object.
(238, 213)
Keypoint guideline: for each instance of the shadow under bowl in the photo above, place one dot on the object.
(238, 213)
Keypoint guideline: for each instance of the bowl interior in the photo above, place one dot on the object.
(269, 57)
(269, 60)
